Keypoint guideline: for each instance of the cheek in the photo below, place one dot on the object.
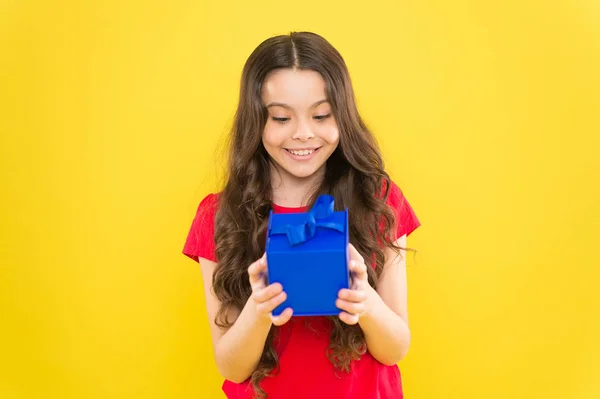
(330, 133)
(271, 137)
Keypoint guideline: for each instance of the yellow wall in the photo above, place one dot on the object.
(111, 116)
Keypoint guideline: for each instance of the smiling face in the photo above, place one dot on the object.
(301, 132)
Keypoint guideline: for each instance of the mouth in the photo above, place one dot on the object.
(306, 152)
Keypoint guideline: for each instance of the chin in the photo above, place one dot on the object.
(301, 174)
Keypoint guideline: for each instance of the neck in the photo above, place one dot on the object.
(292, 191)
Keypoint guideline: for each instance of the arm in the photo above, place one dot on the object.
(385, 325)
(381, 314)
(238, 349)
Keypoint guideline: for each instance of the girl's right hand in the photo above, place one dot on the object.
(266, 298)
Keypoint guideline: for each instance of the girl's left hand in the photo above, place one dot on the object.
(352, 301)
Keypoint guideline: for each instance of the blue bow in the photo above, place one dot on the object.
(299, 233)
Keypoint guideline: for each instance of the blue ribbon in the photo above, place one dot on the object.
(299, 233)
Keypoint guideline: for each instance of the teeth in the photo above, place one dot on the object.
(303, 152)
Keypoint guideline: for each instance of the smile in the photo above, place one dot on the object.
(305, 152)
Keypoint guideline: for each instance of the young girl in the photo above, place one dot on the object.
(298, 134)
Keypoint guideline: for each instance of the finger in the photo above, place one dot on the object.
(358, 270)
(264, 294)
(354, 308)
(355, 255)
(347, 318)
(270, 304)
(256, 270)
(352, 295)
(257, 267)
(283, 318)
(358, 267)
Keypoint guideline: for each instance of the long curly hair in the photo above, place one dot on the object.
(354, 175)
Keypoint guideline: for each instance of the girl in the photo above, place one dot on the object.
(298, 134)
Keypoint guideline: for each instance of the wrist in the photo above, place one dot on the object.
(371, 303)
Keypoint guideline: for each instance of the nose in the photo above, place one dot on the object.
(303, 132)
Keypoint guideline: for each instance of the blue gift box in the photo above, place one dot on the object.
(308, 254)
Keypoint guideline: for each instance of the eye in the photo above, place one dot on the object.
(321, 117)
(280, 120)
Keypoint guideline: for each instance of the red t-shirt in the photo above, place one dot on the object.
(301, 344)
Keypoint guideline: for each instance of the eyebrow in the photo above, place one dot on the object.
(275, 104)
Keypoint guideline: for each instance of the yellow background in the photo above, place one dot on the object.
(112, 119)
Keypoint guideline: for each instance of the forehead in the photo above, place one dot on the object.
(293, 87)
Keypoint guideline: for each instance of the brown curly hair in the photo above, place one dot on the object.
(354, 175)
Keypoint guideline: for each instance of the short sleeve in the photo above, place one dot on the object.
(200, 240)
(406, 219)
